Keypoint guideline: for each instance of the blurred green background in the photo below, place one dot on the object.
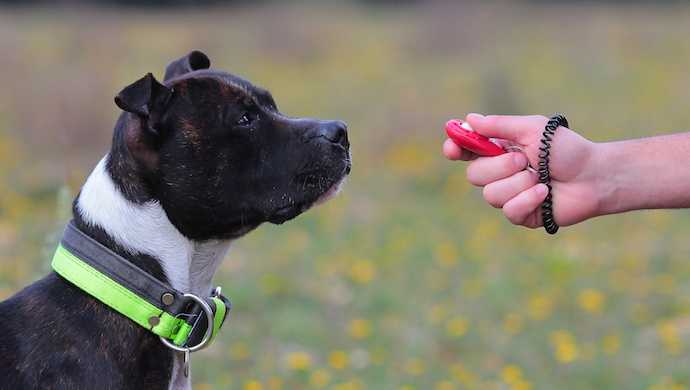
(407, 280)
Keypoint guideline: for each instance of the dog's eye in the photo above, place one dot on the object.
(245, 120)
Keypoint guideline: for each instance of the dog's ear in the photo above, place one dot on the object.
(193, 61)
(147, 99)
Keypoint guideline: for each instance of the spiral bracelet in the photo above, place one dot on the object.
(557, 120)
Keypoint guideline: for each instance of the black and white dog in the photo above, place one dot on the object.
(196, 161)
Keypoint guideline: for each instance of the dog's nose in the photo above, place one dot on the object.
(336, 132)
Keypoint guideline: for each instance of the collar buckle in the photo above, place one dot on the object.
(205, 341)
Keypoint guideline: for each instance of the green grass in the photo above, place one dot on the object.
(407, 278)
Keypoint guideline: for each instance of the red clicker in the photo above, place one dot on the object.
(462, 135)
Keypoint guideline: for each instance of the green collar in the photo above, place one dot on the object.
(181, 320)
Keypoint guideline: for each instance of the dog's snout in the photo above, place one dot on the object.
(336, 132)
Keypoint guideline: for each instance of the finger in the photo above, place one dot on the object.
(518, 209)
(487, 170)
(513, 128)
(454, 152)
(500, 192)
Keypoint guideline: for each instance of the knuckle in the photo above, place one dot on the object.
(531, 222)
(491, 196)
(507, 162)
(524, 178)
(473, 176)
(512, 215)
(517, 161)
(534, 196)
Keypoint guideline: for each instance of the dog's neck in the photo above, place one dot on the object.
(142, 232)
(144, 229)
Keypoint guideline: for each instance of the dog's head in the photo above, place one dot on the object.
(220, 158)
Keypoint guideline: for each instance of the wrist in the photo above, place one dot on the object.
(630, 175)
(618, 178)
(602, 168)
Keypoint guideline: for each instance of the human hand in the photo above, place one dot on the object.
(509, 186)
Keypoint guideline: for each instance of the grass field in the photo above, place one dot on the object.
(407, 280)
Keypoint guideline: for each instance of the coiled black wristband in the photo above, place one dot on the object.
(557, 120)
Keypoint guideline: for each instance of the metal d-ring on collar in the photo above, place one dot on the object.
(206, 308)
(210, 319)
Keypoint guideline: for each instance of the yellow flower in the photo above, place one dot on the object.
(414, 367)
(611, 344)
(359, 329)
(512, 323)
(299, 361)
(539, 307)
(320, 378)
(668, 333)
(362, 271)
(338, 360)
(239, 351)
(446, 254)
(444, 385)
(457, 326)
(564, 346)
(667, 384)
(521, 385)
(253, 385)
(511, 374)
(591, 300)
(462, 375)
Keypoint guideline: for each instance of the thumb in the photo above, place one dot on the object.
(513, 128)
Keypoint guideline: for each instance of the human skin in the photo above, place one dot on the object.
(588, 179)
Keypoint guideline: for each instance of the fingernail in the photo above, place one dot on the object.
(520, 160)
(475, 116)
(541, 189)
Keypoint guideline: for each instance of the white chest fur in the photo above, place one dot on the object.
(146, 229)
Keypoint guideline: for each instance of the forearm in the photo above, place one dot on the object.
(650, 173)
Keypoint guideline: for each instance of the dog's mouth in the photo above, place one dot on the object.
(331, 192)
(289, 212)
(286, 213)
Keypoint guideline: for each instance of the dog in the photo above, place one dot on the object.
(196, 162)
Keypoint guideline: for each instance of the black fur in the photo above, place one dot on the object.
(57, 337)
(221, 159)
